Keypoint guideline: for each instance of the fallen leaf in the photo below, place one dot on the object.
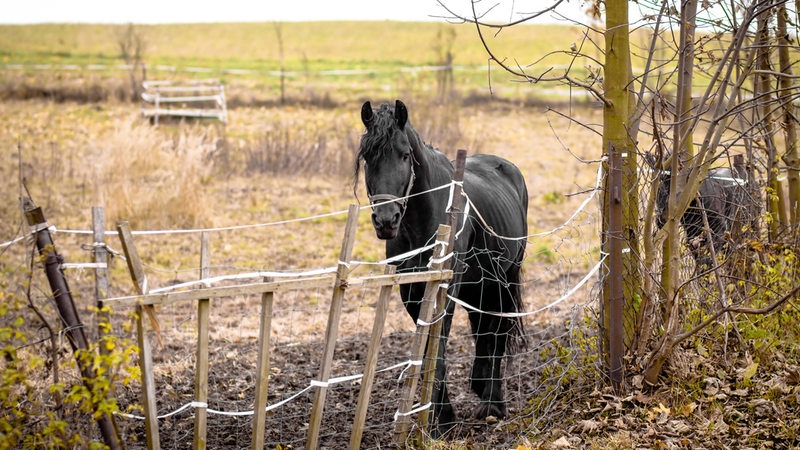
(749, 371)
(711, 386)
(561, 442)
(589, 426)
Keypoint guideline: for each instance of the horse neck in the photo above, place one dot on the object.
(426, 209)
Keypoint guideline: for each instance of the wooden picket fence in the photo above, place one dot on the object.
(339, 282)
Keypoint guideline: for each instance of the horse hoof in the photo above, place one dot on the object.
(486, 410)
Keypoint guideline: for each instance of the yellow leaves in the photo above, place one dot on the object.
(701, 349)
(686, 409)
(659, 413)
(749, 372)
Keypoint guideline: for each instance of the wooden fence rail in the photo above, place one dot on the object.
(339, 282)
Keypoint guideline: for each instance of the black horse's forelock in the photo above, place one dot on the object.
(377, 140)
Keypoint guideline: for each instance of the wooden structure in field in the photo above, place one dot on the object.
(202, 99)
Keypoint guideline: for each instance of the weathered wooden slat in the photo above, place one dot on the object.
(181, 99)
(403, 422)
(262, 377)
(332, 330)
(145, 351)
(101, 271)
(316, 282)
(400, 278)
(454, 220)
(201, 360)
(224, 291)
(371, 363)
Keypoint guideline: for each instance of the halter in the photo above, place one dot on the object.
(403, 201)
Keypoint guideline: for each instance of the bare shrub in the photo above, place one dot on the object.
(132, 46)
(288, 147)
(83, 88)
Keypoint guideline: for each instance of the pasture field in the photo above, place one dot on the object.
(283, 173)
(197, 175)
(323, 59)
(320, 62)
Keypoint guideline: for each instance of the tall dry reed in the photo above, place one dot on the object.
(154, 177)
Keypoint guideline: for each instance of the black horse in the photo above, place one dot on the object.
(720, 198)
(399, 166)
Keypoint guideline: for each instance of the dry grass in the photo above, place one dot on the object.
(152, 179)
(193, 176)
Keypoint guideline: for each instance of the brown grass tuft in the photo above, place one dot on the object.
(154, 179)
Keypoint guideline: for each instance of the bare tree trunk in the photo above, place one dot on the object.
(787, 90)
(279, 35)
(683, 152)
(763, 93)
(132, 46)
(616, 139)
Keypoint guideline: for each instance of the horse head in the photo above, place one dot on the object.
(664, 178)
(388, 165)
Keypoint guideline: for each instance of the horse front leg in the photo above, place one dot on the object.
(443, 411)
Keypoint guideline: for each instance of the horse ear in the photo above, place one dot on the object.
(366, 114)
(400, 114)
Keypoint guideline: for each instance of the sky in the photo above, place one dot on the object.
(182, 11)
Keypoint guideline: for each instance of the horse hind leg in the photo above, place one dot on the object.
(491, 336)
(443, 411)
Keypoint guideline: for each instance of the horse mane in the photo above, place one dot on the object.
(374, 140)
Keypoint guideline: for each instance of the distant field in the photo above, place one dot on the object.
(319, 56)
(254, 45)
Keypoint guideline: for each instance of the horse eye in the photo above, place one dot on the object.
(405, 156)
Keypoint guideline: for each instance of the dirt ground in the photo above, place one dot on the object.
(298, 336)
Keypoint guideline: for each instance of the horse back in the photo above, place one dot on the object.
(497, 190)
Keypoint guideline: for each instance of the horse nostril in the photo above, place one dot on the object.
(395, 219)
(375, 221)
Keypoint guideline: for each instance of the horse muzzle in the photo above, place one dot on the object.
(386, 222)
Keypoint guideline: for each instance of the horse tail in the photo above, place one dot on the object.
(515, 325)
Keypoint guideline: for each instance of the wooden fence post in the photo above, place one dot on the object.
(260, 409)
(371, 362)
(616, 304)
(434, 333)
(201, 358)
(145, 352)
(73, 327)
(420, 338)
(342, 272)
(101, 270)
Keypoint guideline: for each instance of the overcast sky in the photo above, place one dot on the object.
(182, 11)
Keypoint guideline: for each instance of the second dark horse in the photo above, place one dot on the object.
(399, 166)
(719, 202)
